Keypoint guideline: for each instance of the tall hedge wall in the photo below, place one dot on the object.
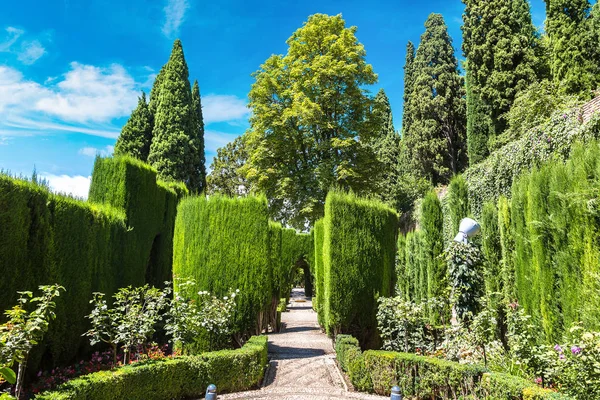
(554, 225)
(85, 246)
(319, 270)
(359, 245)
(223, 243)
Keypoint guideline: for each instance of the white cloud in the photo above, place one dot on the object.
(90, 93)
(221, 108)
(86, 100)
(214, 140)
(78, 186)
(174, 16)
(92, 151)
(13, 34)
(31, 52)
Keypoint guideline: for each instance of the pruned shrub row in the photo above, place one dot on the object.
(423, 377)
(179, 377)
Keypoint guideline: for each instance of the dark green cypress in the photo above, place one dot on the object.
(386, 146)
(155, 92)
(198, 159)
(408, 83)
(136, 135)
(174, 127)
(499, 42)
(571, 53)
(436, 107)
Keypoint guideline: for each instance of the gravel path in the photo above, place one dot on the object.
(301, 360)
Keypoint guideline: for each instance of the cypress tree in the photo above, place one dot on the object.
(174, 121)
(386, 146)
(197, 164)
(136, 135)
(155, 92)
(408, 83)
(436, 106)
(499, 41)
(571, 61)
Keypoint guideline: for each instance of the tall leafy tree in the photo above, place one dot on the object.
(571, 53)
(226, 176)
(197, 164)
(436, 106)
(136, 135)
(155, 92)
(310, 129)
(174, 121)
(499, 42)
(408, 82)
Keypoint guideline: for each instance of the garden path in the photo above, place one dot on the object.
(301, 360)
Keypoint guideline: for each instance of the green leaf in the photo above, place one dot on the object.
(8, 375)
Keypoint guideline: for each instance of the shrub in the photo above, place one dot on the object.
(223, 244)
(186, 376)
(423, 377)
(359, 250)
(432, 225)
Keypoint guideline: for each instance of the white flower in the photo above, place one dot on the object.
(225, 298)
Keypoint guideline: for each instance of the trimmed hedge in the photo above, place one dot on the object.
(318, 268)
(359, 247)
(422, 377)
(180, 377)
(432, 226)
(95, 246)
(223, 244)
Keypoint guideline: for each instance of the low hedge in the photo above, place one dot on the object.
(180, 377)
(422, 377)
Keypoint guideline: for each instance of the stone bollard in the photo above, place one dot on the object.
(396, 395)
(211, 392)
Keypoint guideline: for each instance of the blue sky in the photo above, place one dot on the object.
(71, 70)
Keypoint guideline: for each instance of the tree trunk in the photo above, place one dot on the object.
(21, 377)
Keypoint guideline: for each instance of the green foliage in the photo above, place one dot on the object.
(223, 244)
(411, 267)
(179, 377)
(430, 378)
(386, 146)
(435, 137)
(491, 249)
(359, 249)
(532, 107)
(499, 42)
(136, 135)
(121, 237)
(175, 123)
(24, 330)
(554, 225)
(150, 207)
(319, 269)
(432, 225)
(197, 174)
(225, 176)
(465, 272)
(458, 202)
(571, 51)
(402, 324)
(408, 84)
(488, 180)
(130, 322)
(310, 132)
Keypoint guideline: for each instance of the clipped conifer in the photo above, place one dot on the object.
(198, 159)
